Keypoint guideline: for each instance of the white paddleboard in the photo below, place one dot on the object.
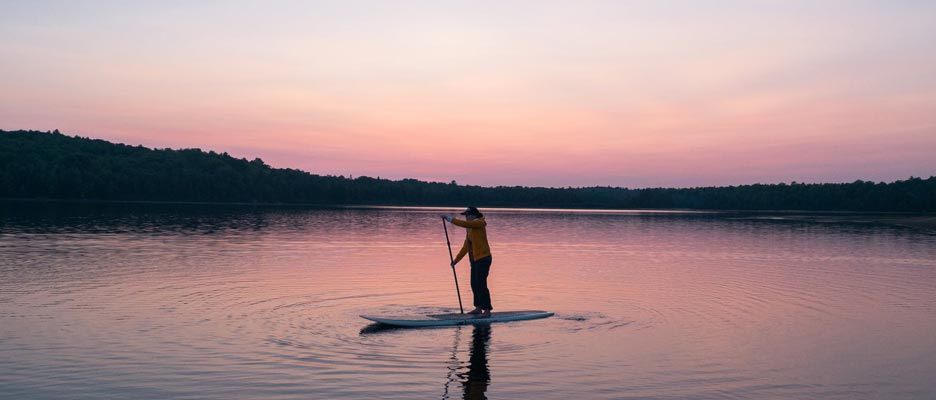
(456, 319)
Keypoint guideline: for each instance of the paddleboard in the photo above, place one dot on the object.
(456, 319)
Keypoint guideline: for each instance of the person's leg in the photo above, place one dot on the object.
(482, 294)
(475, 285)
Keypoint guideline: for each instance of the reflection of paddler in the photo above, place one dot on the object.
(479, 255)
(479, 376)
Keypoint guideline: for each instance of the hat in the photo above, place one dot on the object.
(472, 211)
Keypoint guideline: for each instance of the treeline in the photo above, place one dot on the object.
(55, 166)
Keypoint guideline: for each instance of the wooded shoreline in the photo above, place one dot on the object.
(50, 165)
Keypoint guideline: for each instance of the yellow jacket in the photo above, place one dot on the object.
(476, 243)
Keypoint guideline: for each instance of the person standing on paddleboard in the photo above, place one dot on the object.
(479, 255)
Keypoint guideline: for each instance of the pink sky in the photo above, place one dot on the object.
(527, 93)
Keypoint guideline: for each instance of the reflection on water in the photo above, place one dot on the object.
(479, 375)
(160, 301)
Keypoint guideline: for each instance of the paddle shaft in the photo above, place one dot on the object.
(452, 259)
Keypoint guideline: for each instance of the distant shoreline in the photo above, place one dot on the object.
(363, 206)
(51, 165)
(923, 221)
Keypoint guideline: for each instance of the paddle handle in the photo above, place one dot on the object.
(452, 263)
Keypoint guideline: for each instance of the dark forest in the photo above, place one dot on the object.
(51, 165)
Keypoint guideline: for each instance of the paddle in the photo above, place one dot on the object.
(452, 263)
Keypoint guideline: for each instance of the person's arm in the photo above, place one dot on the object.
(461, 253)
(478, 223)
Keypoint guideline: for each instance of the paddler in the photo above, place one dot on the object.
(479, 255)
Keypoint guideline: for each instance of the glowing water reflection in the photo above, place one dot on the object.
(150, 301)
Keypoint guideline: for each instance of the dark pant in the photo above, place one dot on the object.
(479, 274)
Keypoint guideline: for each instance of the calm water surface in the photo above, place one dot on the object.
(150, 302)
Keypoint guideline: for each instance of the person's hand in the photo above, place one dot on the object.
(453, 264)
(447, 218)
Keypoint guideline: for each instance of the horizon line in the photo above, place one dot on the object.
(351, 176)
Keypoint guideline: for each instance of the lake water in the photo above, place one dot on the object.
(196, 302)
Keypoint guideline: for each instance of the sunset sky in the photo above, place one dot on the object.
(620, 93)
